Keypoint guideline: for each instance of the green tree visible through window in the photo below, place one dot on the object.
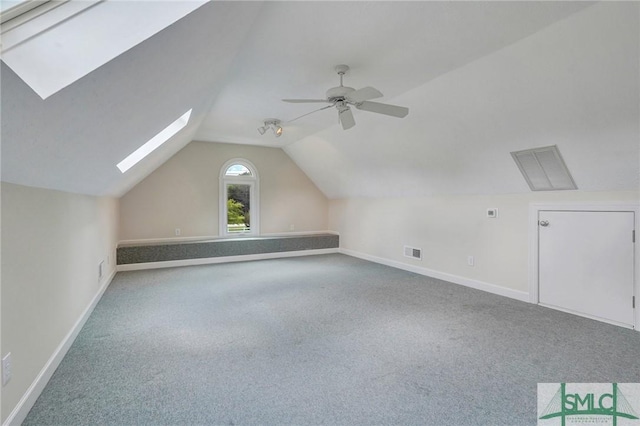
(238, 207)
(234, 212)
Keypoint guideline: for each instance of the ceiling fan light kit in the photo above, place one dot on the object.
(273, 124)
(343, 97)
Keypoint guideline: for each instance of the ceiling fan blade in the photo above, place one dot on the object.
(315, 110)
(346, 118)
(386, 109)
(305, 101)
(363, 94)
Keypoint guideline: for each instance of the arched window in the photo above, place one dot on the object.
(239, 190)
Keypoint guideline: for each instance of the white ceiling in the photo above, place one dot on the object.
(293, 48)
(481, 79)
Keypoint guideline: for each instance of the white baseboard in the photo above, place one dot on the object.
(223, 259)
(467, 282)
(581, 314)
(29, 398)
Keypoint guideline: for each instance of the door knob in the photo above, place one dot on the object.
(544, 223)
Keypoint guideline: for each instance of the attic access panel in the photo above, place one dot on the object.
(544, 169)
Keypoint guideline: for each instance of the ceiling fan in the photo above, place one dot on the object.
(343, 97)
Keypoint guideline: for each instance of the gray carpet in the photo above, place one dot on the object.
(320, 340)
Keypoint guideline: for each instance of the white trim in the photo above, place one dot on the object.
(29, 398)
(456, 279)
(536, 208)
(177, 240)
(25, 7)
(298, 234)
(223, 259)
(254, 196)
(171, 240)
(18, 26)
(581, 314)
(533, 254)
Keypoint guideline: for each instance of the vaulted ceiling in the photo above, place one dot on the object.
(481, 79)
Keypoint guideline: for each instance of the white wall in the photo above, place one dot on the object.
(448, 229)
(427, 180)
(52, 243)
(183, 193)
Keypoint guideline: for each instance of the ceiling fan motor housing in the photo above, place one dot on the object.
(339, 93)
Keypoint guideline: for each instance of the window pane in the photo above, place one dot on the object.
(238, 170)
(238, 208)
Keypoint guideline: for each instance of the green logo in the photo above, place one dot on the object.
(588, 404)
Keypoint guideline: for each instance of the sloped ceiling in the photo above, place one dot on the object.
(73, 140)
(573, 84)
(481, 79)
(394, 46)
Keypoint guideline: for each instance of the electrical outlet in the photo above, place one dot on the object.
(100, 270)
(470, 260)
(178, 232)
(6, 369)
(292, 227)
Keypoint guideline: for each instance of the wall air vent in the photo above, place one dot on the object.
(544, 169)
(412, 252)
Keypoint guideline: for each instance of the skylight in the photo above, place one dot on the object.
(62, 41)
(154, 142)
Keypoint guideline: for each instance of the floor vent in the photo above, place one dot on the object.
(413, 252)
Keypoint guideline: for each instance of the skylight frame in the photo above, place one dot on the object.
(155, 142)
(25, 6)
(43, 48)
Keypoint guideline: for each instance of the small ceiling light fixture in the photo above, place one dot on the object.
(273, 124)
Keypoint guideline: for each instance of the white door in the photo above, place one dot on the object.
(586, 263)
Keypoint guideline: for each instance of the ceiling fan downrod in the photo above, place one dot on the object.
(341, 70)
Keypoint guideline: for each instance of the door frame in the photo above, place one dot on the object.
(536, 208)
